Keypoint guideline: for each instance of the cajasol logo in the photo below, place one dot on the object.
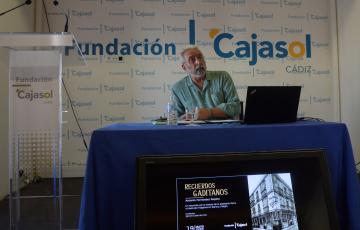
(257, 48)
(31, 95)
(253, 47)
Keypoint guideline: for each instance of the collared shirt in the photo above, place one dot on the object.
(218, 92)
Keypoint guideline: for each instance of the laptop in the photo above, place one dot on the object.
(271, 104)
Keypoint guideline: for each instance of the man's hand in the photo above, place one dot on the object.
(213, 113)
(204, 114)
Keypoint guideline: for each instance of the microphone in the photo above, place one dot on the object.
(66, 27)
(27, 2)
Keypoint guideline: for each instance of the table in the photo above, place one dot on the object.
(109, 186)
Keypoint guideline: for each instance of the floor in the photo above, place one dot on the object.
(39, 213)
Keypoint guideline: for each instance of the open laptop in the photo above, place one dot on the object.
(271, 104)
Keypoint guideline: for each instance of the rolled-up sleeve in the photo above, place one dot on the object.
(231, 106)
(179, 107)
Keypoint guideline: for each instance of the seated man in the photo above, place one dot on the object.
(212, 92)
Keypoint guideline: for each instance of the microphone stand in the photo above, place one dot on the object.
(28, 2)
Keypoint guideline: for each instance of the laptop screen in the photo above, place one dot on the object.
(255, 190)
(271, 104)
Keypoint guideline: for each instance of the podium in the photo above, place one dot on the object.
(35, 124)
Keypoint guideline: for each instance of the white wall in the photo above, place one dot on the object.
(20, 20)
(349, 66)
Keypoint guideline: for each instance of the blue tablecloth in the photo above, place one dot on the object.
(109, 186)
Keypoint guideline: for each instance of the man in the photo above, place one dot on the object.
(212, 92)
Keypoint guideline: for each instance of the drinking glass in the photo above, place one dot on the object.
(191, 114)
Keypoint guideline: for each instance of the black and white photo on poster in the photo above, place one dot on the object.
(272, 202)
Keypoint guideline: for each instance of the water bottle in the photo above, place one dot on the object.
(171, 112)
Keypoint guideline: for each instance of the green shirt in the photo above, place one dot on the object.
(218, 91)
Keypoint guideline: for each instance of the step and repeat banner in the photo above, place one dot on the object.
(132, 48)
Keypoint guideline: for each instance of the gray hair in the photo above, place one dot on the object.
(186, 50)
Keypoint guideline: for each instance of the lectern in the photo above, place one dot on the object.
(35, 116)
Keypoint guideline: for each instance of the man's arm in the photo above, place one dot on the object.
(231, 106)
(177, 103)
(203, 113)
(212, 113)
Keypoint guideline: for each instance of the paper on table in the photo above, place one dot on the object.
(181, 122)
(222, 121)
(185, 122)
(156, 122)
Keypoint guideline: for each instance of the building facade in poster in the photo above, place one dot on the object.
(272, 204)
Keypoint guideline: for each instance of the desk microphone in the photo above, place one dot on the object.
(66, 28)
(27, 2)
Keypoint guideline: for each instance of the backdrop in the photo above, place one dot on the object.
(132, 49)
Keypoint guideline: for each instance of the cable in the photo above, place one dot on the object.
(67, 93)
(73, 111)
(66, 27)
(310, 119)
(27, 2)
(46, 15)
